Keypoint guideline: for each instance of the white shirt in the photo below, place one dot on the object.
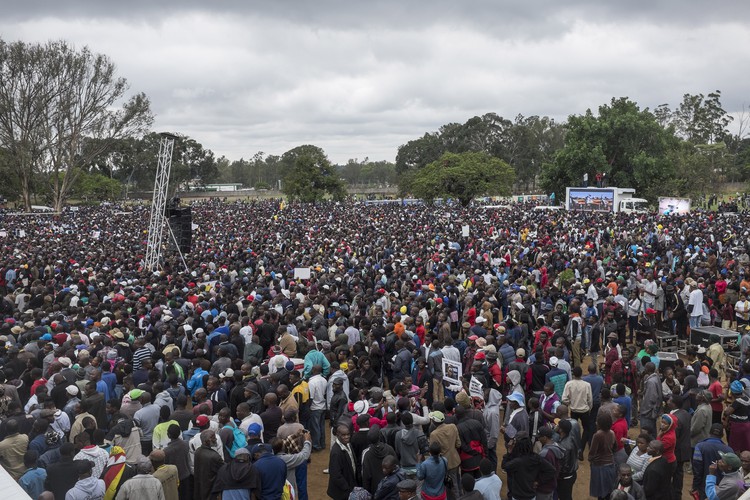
(195, 443)
(696, 300)
(317, 385)
(253, 418)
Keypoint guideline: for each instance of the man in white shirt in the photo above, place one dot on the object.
(317, 386)
(695, 303)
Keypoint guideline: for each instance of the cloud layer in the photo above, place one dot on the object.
(360, 80)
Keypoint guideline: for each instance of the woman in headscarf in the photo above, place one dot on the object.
(116, 472)
(736, 418)
(668, 437)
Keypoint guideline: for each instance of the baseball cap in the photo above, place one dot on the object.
(437, 416)
(553, 361)
(520, 352)
(254, 430)
(731, 460)
(201, 421)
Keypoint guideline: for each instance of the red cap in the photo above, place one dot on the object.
(201, 420)
(473, 337)
(480, 355)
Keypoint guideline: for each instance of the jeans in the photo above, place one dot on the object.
(695, 321)
(318, 429)
(300, 475)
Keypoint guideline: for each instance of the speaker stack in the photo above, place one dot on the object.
(181, 222)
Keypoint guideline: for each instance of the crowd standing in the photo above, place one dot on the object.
(429, 363)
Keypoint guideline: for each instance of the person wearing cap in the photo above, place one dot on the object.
(556, 376)
(732, 483)
(88, 486)
(407, 489)
(700, 422)
(446, 435)
(706, 453)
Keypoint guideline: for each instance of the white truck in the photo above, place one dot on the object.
(608, 199)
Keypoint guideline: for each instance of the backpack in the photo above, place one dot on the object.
(239, 440)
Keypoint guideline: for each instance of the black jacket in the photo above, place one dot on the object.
(341, 479)
(61, 477)
(657, 475)
(372, 470)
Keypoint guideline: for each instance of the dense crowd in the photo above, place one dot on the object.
(432, 350)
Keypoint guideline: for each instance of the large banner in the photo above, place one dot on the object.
(599, 200)
(670, 206)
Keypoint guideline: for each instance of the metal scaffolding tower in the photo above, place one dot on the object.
(159, 204)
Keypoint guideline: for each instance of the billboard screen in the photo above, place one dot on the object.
(598, 200)
(669, 206)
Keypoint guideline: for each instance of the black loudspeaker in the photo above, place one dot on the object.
(181, 223)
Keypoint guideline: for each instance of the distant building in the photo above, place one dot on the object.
(218, 187)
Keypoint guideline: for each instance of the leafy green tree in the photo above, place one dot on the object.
(309, 176)
(96, 187)
(625, 142)
(462, 176)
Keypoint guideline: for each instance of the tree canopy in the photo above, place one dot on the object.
(308, 176)
(462, 176)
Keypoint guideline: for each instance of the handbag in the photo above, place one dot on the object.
(448, 479)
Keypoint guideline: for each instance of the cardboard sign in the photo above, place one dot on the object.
(302, 273)
(452, 371)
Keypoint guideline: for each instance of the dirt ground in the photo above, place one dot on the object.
(317, 481)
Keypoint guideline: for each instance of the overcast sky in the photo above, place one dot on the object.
(361, 78)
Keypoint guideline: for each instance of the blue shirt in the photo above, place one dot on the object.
(596, 382)
(625, 401)
(196, 381)
(433, 473)
(272, 471)
(32, 481)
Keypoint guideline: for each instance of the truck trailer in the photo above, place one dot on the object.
(608, 199)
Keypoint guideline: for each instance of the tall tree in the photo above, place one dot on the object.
(462, 176)
(309, 176)
(623, 141)
(71, 105)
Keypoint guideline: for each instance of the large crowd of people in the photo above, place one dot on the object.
(431, 351)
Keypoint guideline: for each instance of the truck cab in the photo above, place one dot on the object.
(633, 205)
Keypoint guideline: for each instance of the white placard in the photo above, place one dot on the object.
(476, 389)
(465, 231)
(193, 226)
(452, 371)
(96, 234)
(3, 234)
(302, 273)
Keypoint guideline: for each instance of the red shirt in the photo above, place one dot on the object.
(716, 389)
(620, 428)
(669, 440)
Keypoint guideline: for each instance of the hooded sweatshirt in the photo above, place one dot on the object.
(234, 479)
(553, 453)
(515, 382)
(407, 446)
(372, 472)
(491, 413)
(90, 488)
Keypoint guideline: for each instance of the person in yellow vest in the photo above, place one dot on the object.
(301, 394)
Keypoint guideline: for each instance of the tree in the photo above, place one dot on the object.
(625, 142)
(462, 176)
(59, 109)
(309, 176)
